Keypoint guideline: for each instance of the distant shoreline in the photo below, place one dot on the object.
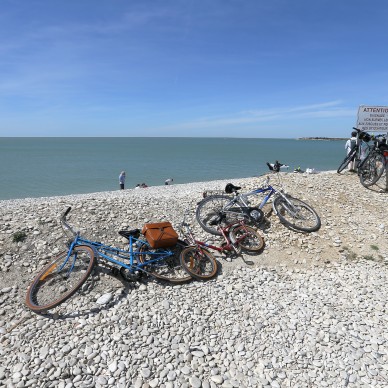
(322, 138)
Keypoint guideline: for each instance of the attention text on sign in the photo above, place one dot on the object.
(373, 118)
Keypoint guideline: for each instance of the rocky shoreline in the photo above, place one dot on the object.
(309, 311)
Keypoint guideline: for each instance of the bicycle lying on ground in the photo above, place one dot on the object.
(69, 270)
(292, 212)
(200, 263)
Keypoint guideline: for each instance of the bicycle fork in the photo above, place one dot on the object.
(235, 244)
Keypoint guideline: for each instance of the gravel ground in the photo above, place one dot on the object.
(309, 311)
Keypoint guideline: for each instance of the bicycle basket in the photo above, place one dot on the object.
(160, 235)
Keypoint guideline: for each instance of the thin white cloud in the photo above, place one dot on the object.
(275, 114)
(302, 108)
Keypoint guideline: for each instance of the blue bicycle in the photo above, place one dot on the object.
(216, 209)
(69, 270)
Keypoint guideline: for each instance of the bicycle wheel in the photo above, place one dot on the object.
(168, 268)
(217, 210)
(296, 214)
(372, 169)
(198, 262)
(347, 160)
(247, 238)
(60, 279)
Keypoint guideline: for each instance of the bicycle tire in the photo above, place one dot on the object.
(372, 169)
(169, 268)
(66, 281)
(213, 207)
(298, 214)
(347, 160)
(198, 262)
(252, 242)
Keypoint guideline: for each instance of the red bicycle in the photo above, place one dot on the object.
(200, 263)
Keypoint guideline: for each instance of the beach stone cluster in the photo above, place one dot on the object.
(309, 311)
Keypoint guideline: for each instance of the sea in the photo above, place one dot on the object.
(53, 166)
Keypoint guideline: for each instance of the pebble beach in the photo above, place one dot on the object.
(310, 310)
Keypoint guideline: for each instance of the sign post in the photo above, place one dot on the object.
(374, 119)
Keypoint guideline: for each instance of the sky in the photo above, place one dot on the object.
(218, 68)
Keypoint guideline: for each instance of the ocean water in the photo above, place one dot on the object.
(40, 167)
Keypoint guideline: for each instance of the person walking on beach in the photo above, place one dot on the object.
(350, 143)
(122, 180)
(168, 181)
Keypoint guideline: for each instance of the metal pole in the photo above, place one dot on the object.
(386, 172)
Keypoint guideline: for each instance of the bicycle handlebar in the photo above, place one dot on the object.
(66, 212)
(65, 224)
(375, 136)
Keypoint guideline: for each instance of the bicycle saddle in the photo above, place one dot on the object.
(231, 188)
(127, 233)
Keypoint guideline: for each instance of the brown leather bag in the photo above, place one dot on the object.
(160, 235)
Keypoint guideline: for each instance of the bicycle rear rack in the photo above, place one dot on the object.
(208, 193)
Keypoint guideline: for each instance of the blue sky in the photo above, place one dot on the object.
(230, 68)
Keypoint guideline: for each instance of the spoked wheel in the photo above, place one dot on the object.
(296, 214)
(371, 169)
(163, 266)
(60, 279)
(214, 211)
(347, 160)
(247, 238)
(199, 263)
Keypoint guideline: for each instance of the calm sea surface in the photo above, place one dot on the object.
(37, 167)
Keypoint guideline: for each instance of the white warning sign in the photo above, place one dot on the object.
(372, 118)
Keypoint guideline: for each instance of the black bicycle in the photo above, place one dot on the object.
(355, 152)
(372, 167)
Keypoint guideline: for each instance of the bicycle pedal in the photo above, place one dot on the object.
(130, 276)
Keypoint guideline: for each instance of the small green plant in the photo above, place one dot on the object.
(374, 247)
(368, 257)
(19, 236)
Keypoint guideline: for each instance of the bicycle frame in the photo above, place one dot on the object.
(269, 188)
(242, 199)
(113, 254)
(224, 231)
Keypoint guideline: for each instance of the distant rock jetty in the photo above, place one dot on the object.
(322, 138)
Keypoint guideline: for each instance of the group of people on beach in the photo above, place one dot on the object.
(139, 185)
